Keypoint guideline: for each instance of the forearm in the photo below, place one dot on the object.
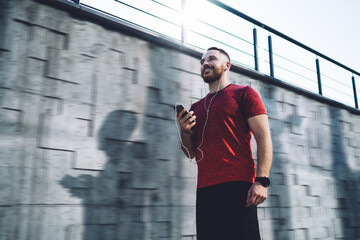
(187, 145)
(264, 155)
(259, 125)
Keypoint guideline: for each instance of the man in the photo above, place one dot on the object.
(217, 132)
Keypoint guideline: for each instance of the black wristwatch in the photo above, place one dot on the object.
(265, 181)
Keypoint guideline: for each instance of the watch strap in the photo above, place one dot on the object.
(265, 181)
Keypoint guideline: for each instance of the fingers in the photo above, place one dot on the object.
(251, 202)
(258, 200)
(186, 122)
(181, 115)
(255, 200)
(256, 195)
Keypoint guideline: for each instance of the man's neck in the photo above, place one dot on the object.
(218, 85)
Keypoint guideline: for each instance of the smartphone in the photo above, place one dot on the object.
(179, 107)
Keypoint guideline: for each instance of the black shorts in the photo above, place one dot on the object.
(221, 213)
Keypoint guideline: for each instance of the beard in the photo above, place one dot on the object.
(216, 75)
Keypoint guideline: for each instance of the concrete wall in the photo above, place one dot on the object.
(89, 148)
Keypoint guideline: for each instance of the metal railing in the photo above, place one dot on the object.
(260, 47)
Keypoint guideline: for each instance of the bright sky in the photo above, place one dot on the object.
(331, 27)
(328, 26)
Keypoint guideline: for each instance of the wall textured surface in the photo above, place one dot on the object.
(89, 148)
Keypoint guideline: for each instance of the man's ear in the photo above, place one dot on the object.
(227, 66)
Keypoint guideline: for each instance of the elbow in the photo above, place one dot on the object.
(188, 153)
(191, 155)
(264, 138)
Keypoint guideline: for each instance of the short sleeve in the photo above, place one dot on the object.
(194, 105)
(252, 103)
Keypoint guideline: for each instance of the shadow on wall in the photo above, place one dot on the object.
(106, 200)
(346, 181)
(277, 227)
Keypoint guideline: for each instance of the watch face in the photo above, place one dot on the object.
(263, 180)
(267, 182)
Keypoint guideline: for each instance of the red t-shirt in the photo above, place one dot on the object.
(226, 149)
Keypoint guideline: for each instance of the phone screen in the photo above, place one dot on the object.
(179, 107)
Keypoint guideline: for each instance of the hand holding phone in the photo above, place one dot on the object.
(185, 132)
(179, 107)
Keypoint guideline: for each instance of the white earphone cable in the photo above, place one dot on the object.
(178, 131)
(203, 131)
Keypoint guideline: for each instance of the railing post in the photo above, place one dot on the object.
(318, 75)
(355, 94)
(183, 28)
(255, 50)
(271, 57)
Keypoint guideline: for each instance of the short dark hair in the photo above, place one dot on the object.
(220, 50)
